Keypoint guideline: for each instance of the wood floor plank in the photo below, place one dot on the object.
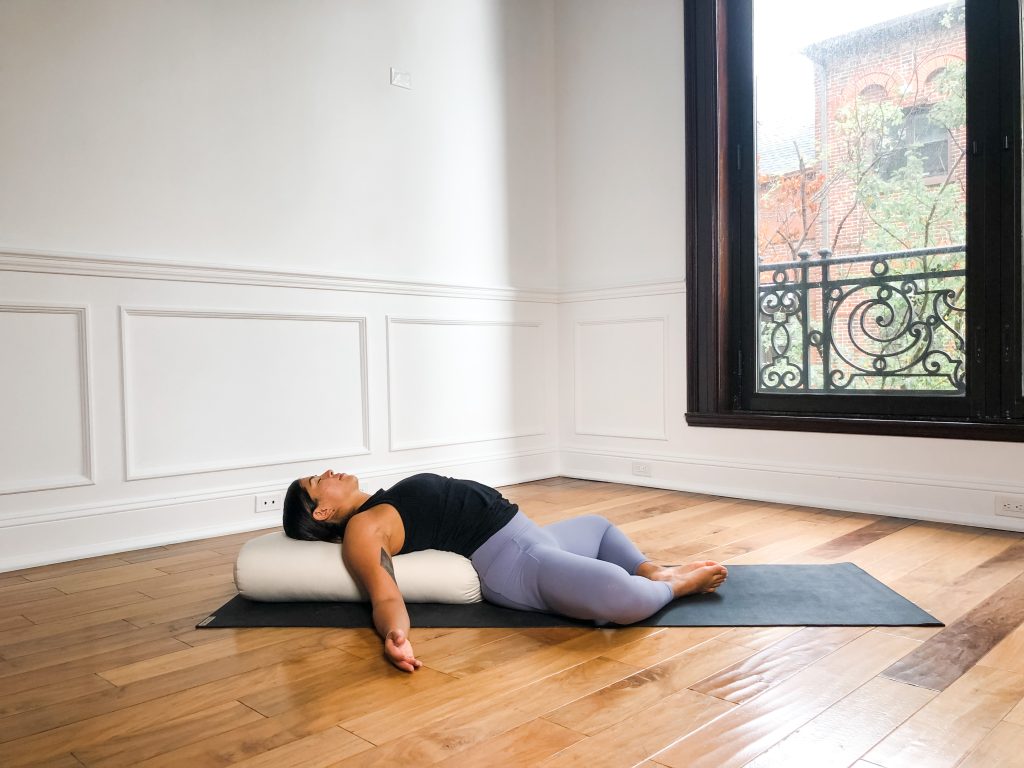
(904, 550)
(24, 597)
(485, 656)
(11, 579)
(758, 638)
(610, 705)
(860, 537)
(1016, 714)
(849, 728)
(199, 686)
(145, 613)
(66, 636)
(799, 539)
(351, 686)
(191, 656)
(943, 658)
(350, 689)
(744, 732)
(15, 679)
(1008, 654)
(63, 606)
(197, 579)
(664, 644)
(93, 653)
(447, 643)
(942, 572)
(745, 679)
(527, 744)
(38, 697)
(478, 691)
(161, 610)
(103, 577)
(190, 561)
(60, 761)
(56, 570)
(472, 723)
(643, 733)
(570, 685)
(1003, 747)
(129, 750)
(953, 723)
(315, 751)
(13, 622)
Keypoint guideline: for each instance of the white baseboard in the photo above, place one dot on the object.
(111, 547)
(919, 498)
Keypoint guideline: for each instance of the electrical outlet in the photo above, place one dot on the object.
(1010, 506)
(269, 502)
(641, 468)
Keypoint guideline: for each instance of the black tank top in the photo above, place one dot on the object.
(445, 513)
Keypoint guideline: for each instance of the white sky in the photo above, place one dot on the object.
(785, 78)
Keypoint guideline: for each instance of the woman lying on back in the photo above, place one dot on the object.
(585, 568)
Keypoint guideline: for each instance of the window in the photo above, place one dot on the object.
(921, 143)
(854, 257)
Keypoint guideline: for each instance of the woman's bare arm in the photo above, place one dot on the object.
(365, 550)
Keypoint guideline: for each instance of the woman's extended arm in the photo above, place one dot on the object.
(366, 555)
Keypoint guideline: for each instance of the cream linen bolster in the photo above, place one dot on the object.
(275, 568)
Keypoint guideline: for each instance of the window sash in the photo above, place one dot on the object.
(721, 354)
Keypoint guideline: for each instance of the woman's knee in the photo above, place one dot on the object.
(596, 521)
(627, 606)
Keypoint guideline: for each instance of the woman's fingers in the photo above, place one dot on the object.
(399, 651)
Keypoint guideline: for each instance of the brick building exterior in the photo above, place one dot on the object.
(874, 91)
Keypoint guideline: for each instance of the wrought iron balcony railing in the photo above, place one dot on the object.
(878, 322)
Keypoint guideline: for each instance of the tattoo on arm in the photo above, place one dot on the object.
(386, 564)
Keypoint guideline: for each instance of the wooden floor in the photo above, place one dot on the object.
(100, 664)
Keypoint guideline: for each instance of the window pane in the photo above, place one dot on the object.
(861, 190)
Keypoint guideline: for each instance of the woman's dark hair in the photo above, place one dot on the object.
(299, 522)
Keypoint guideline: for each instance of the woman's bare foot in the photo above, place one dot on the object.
(703, 578)
(696, 564)
(689, 579)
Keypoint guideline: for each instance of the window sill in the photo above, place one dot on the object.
(1011, 432)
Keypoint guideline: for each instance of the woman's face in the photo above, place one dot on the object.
(336, 496)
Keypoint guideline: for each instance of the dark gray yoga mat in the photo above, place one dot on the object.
(839, 594)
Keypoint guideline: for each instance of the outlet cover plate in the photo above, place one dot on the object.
(1010, 506)
(269, 502)
(642, 468)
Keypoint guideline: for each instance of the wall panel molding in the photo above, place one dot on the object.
(395, 443)
(53, 262)
(84, 369)
(661, 433)
(627, 291)
(133, 472)
(102, 265)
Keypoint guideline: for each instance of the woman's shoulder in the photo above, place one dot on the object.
(382, 517)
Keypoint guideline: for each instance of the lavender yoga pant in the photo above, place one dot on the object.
(583, 568)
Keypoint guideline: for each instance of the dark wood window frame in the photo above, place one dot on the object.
(719, 144)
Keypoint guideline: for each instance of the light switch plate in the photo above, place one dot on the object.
(401, 79)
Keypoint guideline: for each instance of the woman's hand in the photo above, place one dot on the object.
(398, 651)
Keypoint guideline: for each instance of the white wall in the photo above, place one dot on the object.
(619, 105)
(620, 178)
(266, 133)
(232, 253)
